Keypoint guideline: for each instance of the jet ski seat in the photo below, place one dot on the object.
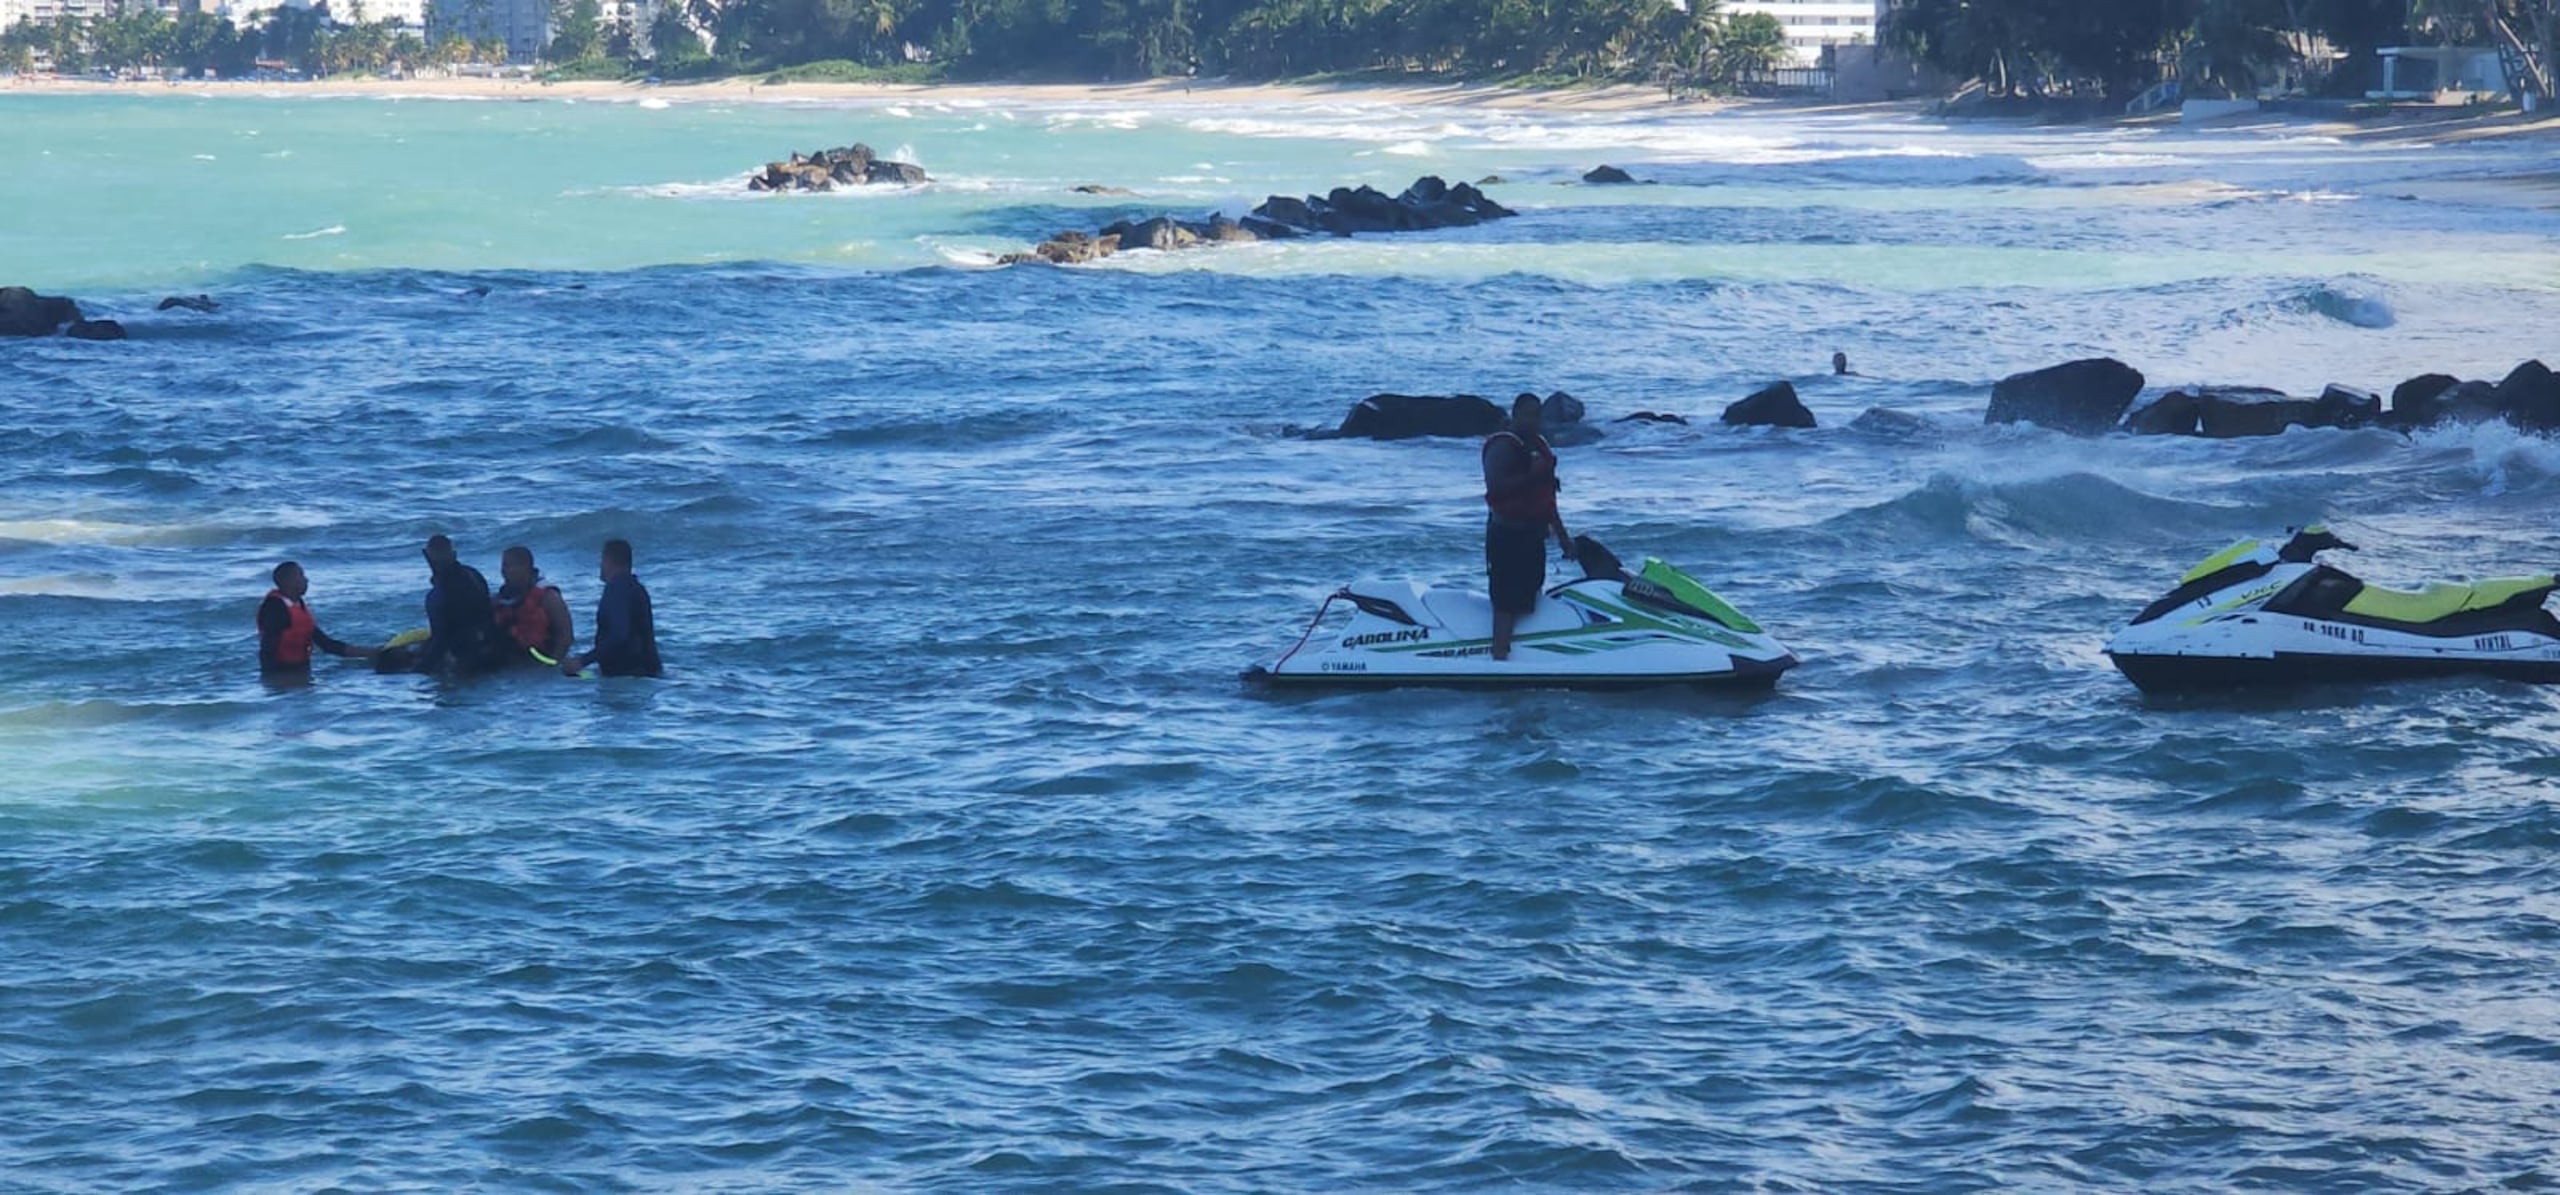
(2443, 599)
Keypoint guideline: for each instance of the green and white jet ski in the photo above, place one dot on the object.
(1610, 629)
(2256, 615)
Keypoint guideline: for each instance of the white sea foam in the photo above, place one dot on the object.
(655, 104)
(333, 230)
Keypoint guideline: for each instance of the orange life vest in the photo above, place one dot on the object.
(1534, 503)
(293, 643)
(527, 619)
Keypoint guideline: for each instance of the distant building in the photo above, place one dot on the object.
(406, 14)
(525, 24)
(1814, 24)
(46, 12)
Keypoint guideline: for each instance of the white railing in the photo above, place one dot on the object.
(2161, 95)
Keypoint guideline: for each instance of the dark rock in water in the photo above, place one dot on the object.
(2530, 398)
(1280, 209)
(904, 174)
(1099, 189)
(1607, 174)
(1405, 416)
(2468, 402)
(1428, 203)
(1885, 421)
(2236, 411)
(203, 303)
(25, 313)
(2346, 407)
(1560, 408)
(2416, 402)
(853, 166)
(1572, 435)
(1652, 417)
(1491, 180)
(1066, 249)
(1774, 406)
(95, 329)
(1268, 230)
(2171, 414)
(1162, 232)
(2083, 398)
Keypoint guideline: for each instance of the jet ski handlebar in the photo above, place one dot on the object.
(2310, 542)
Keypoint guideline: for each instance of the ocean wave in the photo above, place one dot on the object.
(2345, 305)
(2069, 507)
(333, 230)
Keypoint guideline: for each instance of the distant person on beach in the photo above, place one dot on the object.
(1840, 366)
(287, 632)
(531, 615)
(1520, 509)
(462, 637)
(626, 626)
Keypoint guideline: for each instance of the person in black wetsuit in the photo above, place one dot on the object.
(626, 626)
(1520, 510)
(287, 632)
(462, 635)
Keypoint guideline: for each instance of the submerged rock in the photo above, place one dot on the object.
(2083, 398)
(202, 303)
(1607, 174)
(1407, 416)
(1652, 417)
(1773, 406)
(95, 329)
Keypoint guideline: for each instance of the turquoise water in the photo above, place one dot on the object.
(953, 856)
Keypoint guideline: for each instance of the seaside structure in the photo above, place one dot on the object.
(406, 14)
(525, 24)
(1812, 25)
(46, 12)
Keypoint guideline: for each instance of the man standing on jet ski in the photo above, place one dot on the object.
(1520, 509)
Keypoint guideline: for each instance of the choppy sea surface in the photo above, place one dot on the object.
(953, 855)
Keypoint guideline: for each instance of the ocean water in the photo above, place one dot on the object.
(953, 855)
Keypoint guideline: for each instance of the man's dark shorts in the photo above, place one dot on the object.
(1515, 564)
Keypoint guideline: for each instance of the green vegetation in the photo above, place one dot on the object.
(2052, 47)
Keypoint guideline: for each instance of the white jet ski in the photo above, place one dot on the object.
(2255, 615)
(1657, 626)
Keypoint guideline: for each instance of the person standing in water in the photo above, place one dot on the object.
(626, 627)
(287, 632)
(1520, 509)
(531, 615)
(462, 637)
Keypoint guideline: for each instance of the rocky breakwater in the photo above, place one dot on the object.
(850, 166)
(2089, 397)
(1344, 211)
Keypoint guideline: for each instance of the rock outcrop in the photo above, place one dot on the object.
(1429, 203)
(1410, 416)
(2083, 398)
(23, 312)
(95, 329)
(200, 303)
(1773, 406)
(849, 166)
(1607, 174)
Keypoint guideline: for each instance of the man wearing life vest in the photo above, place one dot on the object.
(531, 614)
(1520, 509)
(287, 632)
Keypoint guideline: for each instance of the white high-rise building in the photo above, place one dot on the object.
(1813, 24)
(525, 24)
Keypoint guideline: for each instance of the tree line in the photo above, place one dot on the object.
(2121, 47)
(1698, 45)
(2112, 48)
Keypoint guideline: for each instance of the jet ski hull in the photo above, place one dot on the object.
(2204, 674)
(1615, 631)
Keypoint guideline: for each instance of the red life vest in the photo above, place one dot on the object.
(293, 643)
(527, 619)
(1534, 503)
